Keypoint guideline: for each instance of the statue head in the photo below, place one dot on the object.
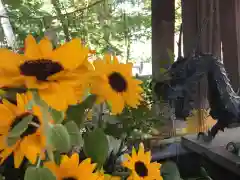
(175, 89)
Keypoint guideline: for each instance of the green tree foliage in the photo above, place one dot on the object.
(106, 25)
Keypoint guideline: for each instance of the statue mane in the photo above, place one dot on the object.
(228, 96)
(223, 101)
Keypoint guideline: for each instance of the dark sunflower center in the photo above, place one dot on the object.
(31, 128)
(41, 69)
(117, 82)
(141, 169)
(70, 178)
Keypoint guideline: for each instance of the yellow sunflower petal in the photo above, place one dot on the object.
(64, 159)
(3, 130)
(55, 97)
(69, 54)
(9, 60)
(141, 150)
(128, 164)
(33, 83)
(134, 154)
(72, 162)
(117, 105)
(128, 69)
(3, 141)
(88, 65)
(31, 148)
(115, 60)
(32, 51)
(99, 100)
(148, 156)
(20, 102)
(5, 153)
(52, 167)
(18, 157)
(6, 116)
(107, 58)
(86, 165)
(10, 79)
(45, 46)
(37, 111)
(99, 64)
(13, 108)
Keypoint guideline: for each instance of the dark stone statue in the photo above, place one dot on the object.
(181, 87)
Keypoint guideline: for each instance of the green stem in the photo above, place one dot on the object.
(39, 162)
(45, 112)
(100, 117)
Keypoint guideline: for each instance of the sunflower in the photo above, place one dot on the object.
(71, 169)
(55, 73)
(141, 166)
(31, 142)
(115, 84)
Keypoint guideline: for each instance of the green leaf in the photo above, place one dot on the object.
(33, 173)
(57, 157)
(12, 140)
(170, 55)
(74, 132)
(20, 127)
(76, 112)
(14, 3)
(29, 105)
(162, 70)
(169, 171)
(111, 119)
(50, 154)
(60, 138)
(114, 130)
(36, 98)
(96, 146)
(58, 116)
(204, 173)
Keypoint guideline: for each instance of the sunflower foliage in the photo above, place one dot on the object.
(47, 97)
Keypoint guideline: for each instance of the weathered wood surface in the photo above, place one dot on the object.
(216, 150)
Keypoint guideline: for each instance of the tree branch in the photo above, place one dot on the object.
(66, 14)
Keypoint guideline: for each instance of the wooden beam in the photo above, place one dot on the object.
(230, 35)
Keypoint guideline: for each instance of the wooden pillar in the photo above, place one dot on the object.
(163, 18)
(216, 33)
(189, 21)
(230, 35)
(194, 13)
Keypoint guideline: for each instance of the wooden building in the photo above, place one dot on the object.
(219, 24)
(223, 27)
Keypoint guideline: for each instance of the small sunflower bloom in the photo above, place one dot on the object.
(89, 115)
(53, 72)
(70, 168)
(141, 166)
(32, 141)
(115, 84)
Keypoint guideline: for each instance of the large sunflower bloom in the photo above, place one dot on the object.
(70, 168)
(31, 142)
(116, 84)
(53, 72)
(141, 166)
